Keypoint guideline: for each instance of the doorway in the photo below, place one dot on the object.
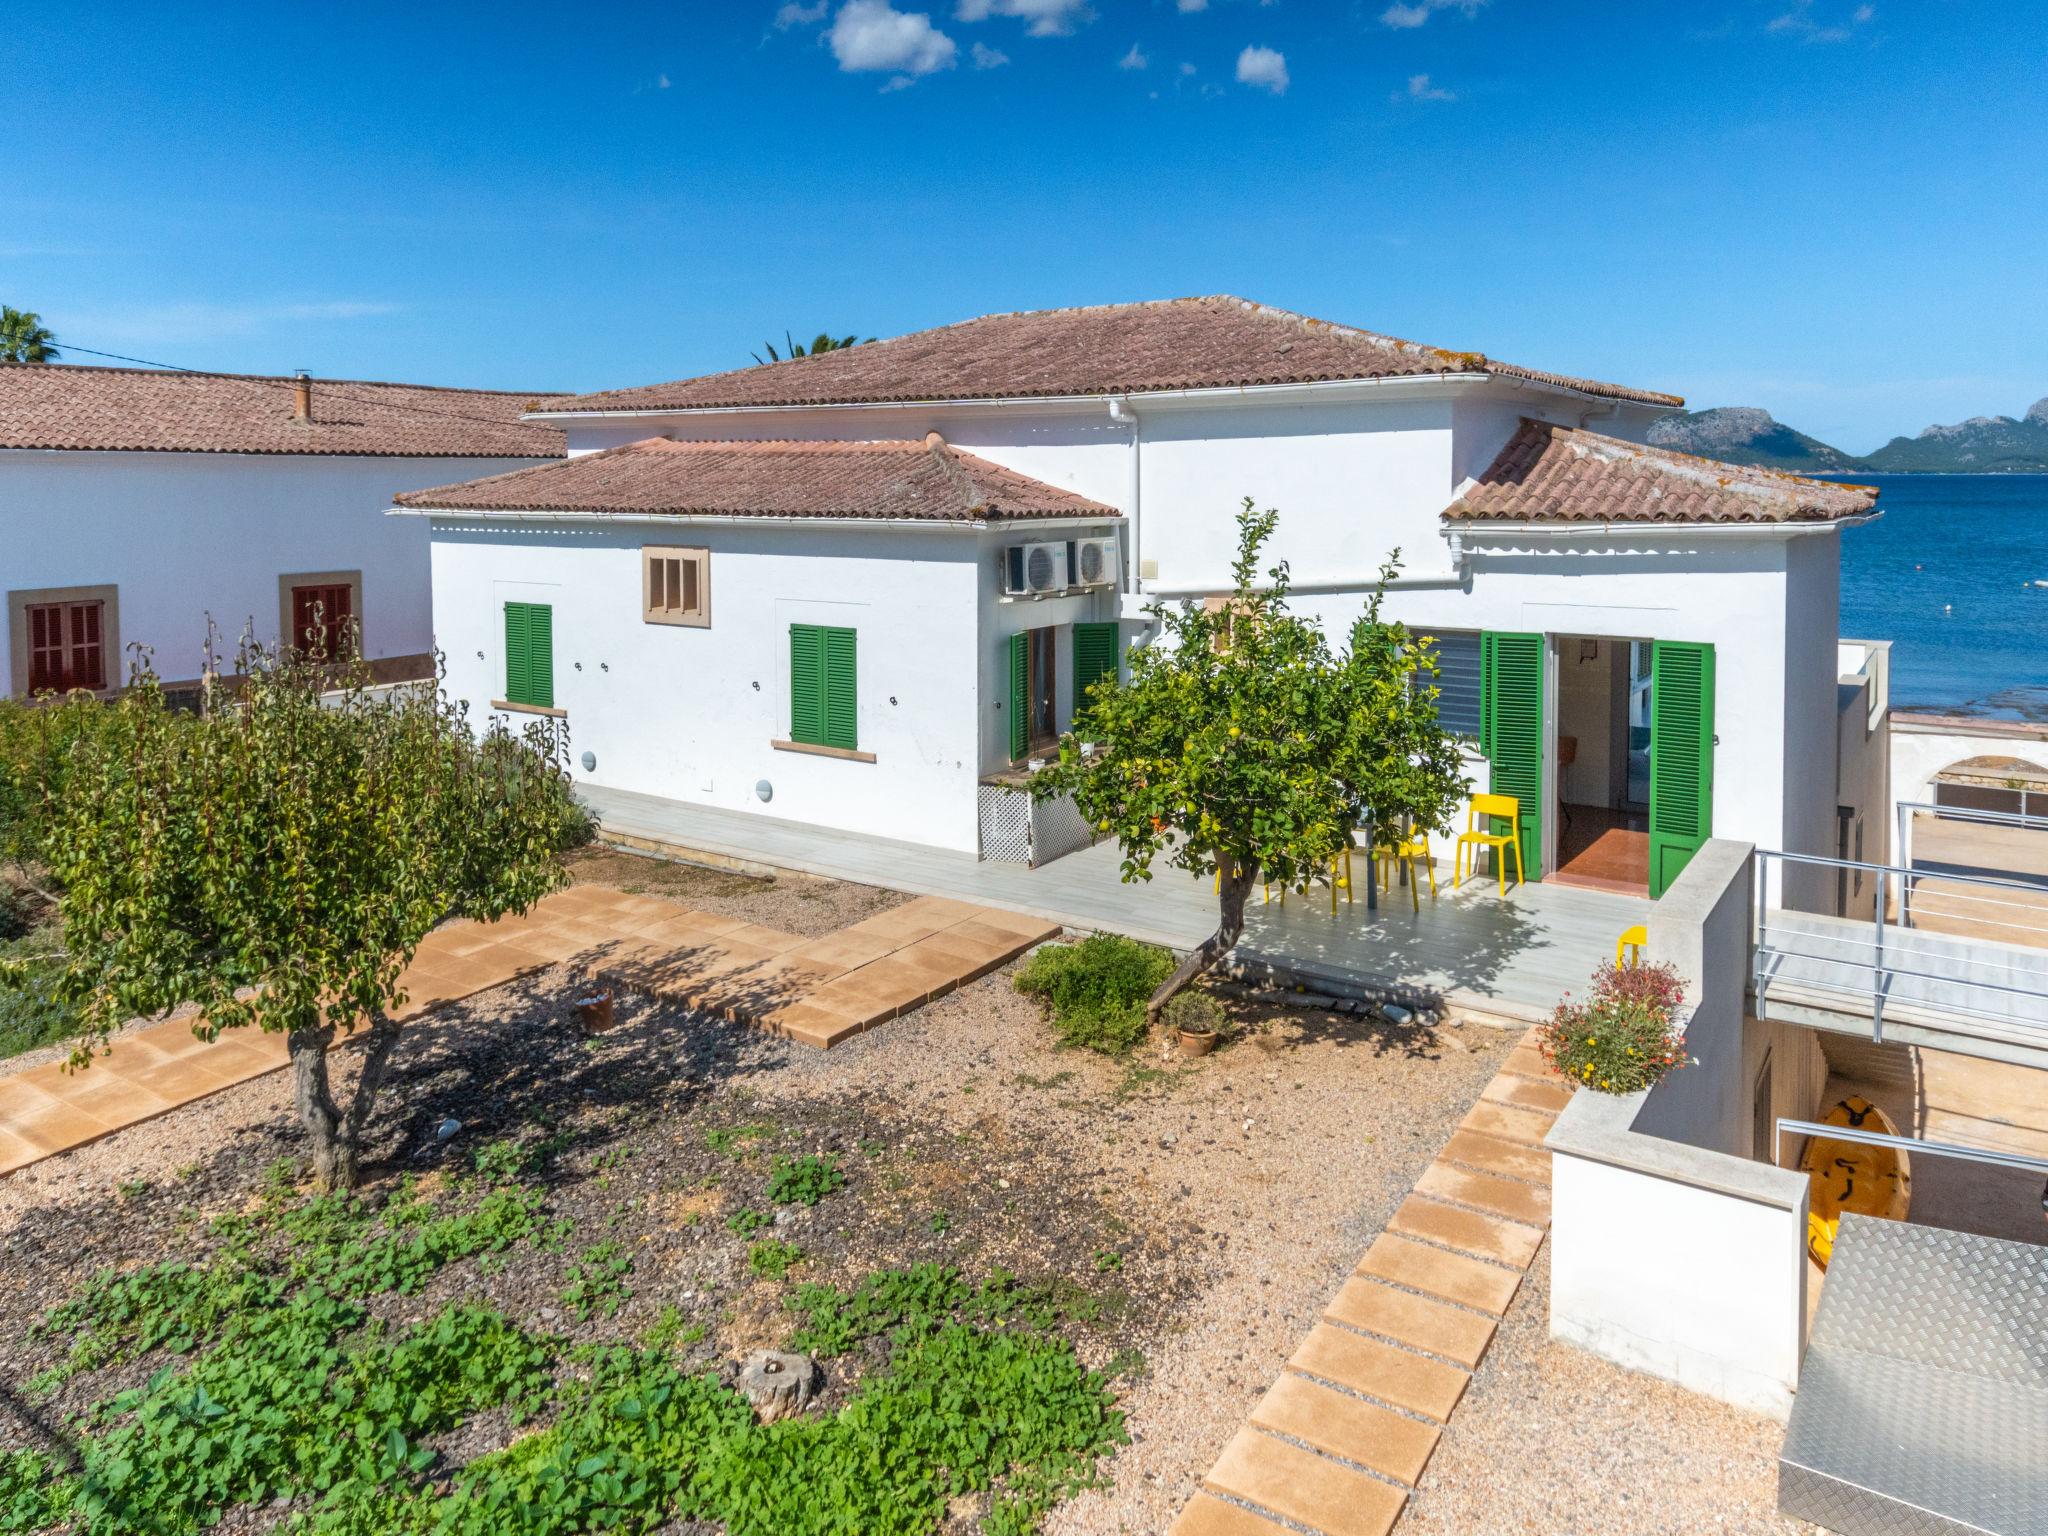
(1602, 782)
(1040, 689)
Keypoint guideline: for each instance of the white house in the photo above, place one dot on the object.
(136, 505)
(847, 589)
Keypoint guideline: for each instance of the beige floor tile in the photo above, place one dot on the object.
(1419, 1321)
(51, 1123)
(1489, 1154)
(1525, 1126)
(1527, 1093)
(1207, 1515)
(1438, 1272)
(1390, 1443)
(1511, 1198)
(1398, 1376)
(1313, 1490)
(17, 1151)
(1489, 1237)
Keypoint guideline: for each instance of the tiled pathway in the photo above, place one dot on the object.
(816, 991)
(1337, 1443)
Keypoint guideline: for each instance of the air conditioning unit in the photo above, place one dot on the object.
(1032, 569)
(1093, 562)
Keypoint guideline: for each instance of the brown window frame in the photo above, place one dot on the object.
(291, 583)
(22, 607)
(667, 572)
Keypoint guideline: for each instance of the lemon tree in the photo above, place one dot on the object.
(1243, 746)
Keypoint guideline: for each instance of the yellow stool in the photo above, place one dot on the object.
(1409, 849)
(1340, 880)
(1465, 857)
(1631, 939)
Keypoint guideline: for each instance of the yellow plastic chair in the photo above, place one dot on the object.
(1340, 880)
(1407, 850)
(1478, 821)
(1632, 940)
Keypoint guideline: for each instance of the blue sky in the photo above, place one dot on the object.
(1836, 210)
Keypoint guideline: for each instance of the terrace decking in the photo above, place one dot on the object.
(1515, 956)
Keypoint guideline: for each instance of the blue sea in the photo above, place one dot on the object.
(1947, 575)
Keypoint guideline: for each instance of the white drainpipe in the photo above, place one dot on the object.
(1120, 412)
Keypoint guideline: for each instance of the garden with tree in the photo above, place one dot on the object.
(1244, 747)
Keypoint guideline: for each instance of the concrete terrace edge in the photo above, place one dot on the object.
(1600, 1127)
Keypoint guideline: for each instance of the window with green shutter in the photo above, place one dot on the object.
(1681, 757)
(1512, 731)
(1095, 658)
(1017, 661)
(824, 692)
(530, 654)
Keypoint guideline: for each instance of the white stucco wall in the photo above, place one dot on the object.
(188, 535)
(690, 714)
(1923, 745)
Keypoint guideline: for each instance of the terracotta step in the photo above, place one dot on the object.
(1388, 1442)
(1501, 1197)
(1393, 1375)
(1527, 1093)
(1207, 1515)
(1488, 1237)
(1313, 1490)
(1489, 1154)
(1526, 1126)
(1526, 1061)
(1439, 1272)
(1421, 1322)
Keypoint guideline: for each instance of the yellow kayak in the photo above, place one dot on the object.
(1850, 1176)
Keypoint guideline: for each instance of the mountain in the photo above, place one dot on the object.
(1995, 444)
(1743, 434)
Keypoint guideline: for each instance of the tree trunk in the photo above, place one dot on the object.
(335, 1135)
(1232, 890)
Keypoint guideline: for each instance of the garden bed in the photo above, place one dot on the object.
(1170, 1225)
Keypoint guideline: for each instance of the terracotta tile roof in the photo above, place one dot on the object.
(922, 479)
(1550, 473)
(58, 405)
(1217, 342)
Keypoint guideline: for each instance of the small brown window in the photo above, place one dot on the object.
(323, 620)
(675, 586)
(66, 646)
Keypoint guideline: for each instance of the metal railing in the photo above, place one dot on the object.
(1985, 978)
(1987, 1155)
(2022, 820)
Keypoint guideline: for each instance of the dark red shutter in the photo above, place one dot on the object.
(66, 647)
(320, 619)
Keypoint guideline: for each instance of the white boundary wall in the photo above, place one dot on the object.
(1686, 1261)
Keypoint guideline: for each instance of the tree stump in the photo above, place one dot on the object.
(779, 1385)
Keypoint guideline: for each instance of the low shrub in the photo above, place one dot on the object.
(1196, 1012)
(803, 1180)
(1095, 991)
(1624, 1036)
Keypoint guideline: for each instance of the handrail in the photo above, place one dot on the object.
(1989, 1155)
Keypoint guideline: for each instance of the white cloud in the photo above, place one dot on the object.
(1801, 22)
(1189, 7)
(1413, 13)
(794, 15)
(873, 34)
(1265, 67)
(1043, 18)
(1187, 68)
(1419, 89)
(986, 57)
(661, 82)
(1135, 59)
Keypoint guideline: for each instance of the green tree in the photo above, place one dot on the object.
(1242, 747)
(24, 338)
(822, 342)
(277, 859)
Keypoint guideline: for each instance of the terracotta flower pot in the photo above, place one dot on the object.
(1194, 1042)
(594, 1011)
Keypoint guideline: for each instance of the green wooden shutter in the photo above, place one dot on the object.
(840, 671)
(515, 653)
(530, 654)
(1681, 757)
(1511, 722)
(1020, 694)
(1095, 658)
(807, 684)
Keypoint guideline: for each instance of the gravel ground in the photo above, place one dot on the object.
(1551, 1440)
(1212, 1205)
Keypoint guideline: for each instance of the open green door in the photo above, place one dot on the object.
(1511, 732)
(1681, 756)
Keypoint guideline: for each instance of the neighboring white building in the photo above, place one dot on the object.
(136, 505)
(1572, 576)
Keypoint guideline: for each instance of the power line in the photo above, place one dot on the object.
(327, 387)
